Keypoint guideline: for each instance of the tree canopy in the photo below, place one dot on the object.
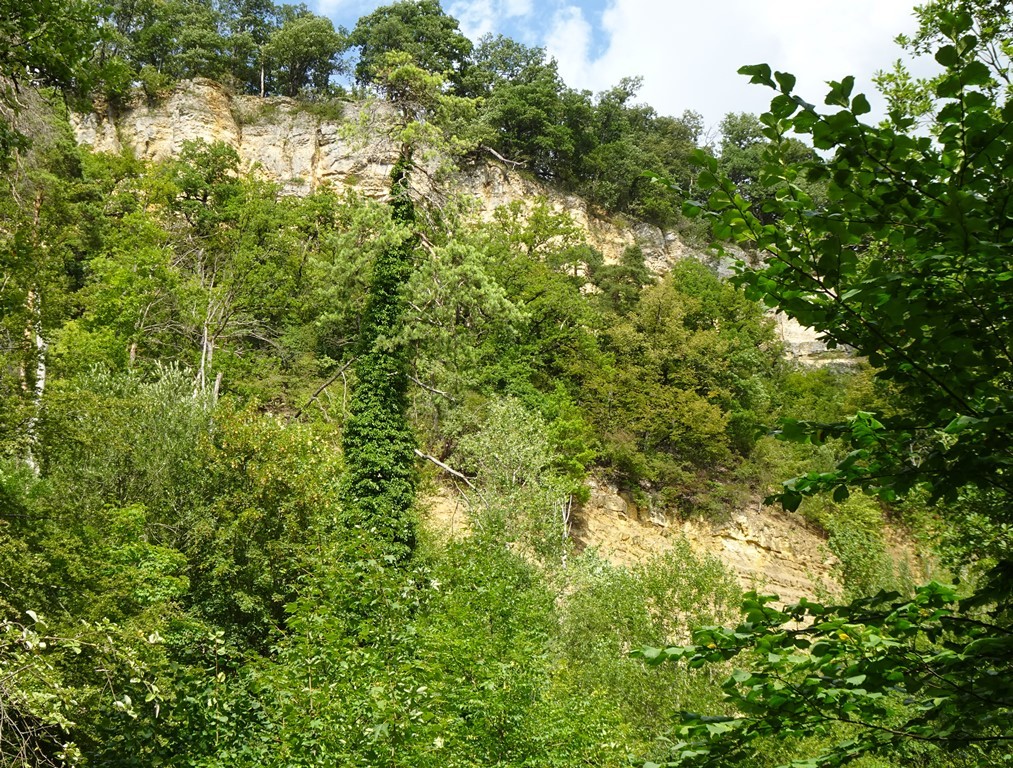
(45, 43)
(419, 28)
(906, 262)
(304, 53)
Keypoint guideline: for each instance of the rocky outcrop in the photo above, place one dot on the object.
(280, 140)
(807, 348)
(275, 138)
(765, 548)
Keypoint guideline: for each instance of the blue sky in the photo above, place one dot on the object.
(687, 51)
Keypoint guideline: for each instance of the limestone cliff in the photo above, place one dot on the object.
(282, 141)
(275, 138)
(766, 548)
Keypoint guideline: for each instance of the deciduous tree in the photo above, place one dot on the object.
(419, 28)
(908, 263)
(304, 54)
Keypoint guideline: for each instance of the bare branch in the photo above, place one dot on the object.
(498, 156)
(321, 388)
(434, 390)
(448, 469)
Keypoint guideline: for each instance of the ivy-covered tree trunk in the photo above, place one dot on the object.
(377, 440)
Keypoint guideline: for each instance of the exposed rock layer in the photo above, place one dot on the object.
(764, 547)
(281, 141)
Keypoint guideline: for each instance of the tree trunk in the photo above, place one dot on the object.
(202, 370)
(33, 334)
(38, 390)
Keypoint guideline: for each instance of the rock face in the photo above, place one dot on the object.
(805, 347)
(494, 185)
(281, 141)
(764, 547)
(275, 138)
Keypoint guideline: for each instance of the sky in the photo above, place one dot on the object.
(688, 51)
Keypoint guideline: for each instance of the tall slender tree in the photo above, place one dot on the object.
(378, 441)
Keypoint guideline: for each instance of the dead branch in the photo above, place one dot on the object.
(321, 388)
(434, 390)
(498, 156)
(449, 470)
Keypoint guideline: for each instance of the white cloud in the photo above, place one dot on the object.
(480, 17)
(512, 8)
(569, 41)
(688, 52)
(477, 17)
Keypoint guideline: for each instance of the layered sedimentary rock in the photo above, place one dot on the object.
(765, 548)
(283, 141)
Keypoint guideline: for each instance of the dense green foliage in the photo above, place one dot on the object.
(907, 262)
(192, 527)
(421, 29)
(220, 405)
(377, 439)
(45, 42)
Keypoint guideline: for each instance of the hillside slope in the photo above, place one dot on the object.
(284, 142)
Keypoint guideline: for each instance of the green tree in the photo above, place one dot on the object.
(419, 28)
(907, 263)
(351, 232)
(686, 380)
(303, 52)
(204, 272)
(610, 609)
(181, 39)
(741, 150)
(49, 228)
(620, 284)
(250, 24)
(496, 61)
(623, 142)
(527, 117)
(672, 140)
(457, 307)
(45, 43)
(742, 153)
(518, 499)
(378, 440)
